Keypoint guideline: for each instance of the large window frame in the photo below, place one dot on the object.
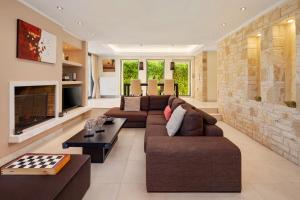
(187, 61)
(122, 71)
(164, 61)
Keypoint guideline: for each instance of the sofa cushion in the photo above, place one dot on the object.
(140, 116)
(207, 117)
(176, 102)
(155, 112)
(132, 104)
(144, 103)
(175, 121)
(158, 102)
(156, 130)
(192, 124)
(171, 99)
(156, 120)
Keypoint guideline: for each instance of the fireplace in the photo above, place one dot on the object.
(31, 104)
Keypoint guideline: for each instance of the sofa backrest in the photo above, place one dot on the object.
(158, 102)
(144, 103)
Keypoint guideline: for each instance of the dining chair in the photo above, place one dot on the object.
(169, 88)
(135, 88)
(152, 87)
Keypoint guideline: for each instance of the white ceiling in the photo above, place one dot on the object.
(150, 22)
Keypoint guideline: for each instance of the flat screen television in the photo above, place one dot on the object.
(72, 97)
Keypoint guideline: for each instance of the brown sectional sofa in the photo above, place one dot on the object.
(209, 163)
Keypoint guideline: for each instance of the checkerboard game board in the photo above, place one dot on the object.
(31, 163)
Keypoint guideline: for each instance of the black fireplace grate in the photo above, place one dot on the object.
(30, 109)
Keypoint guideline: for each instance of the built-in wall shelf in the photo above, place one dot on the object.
(67, 63)
(71, 82)
(45, 126)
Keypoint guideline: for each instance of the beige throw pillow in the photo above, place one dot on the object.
(132, 104)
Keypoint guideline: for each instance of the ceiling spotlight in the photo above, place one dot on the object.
(79, 23)
(243, 9)
(290, 21)
(258, 35)
(59, 7)
(224, 24)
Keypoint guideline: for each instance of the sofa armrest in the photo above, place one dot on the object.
(212, 130)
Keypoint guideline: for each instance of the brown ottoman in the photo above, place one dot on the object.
(71, 182)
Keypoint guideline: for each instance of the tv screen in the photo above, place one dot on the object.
(71, 97)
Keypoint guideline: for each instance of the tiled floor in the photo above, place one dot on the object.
(266, 176)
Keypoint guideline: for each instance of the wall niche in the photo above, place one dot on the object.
(284, 62)
(254, 64)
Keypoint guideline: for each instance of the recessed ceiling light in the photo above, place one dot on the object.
(224, 24)
(59, 7)
(258, 35)
(290, 21)
(243, 9)
(79, 23)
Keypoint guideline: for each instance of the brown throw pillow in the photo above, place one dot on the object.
(132, 104)
(171, 99)
(177, 102)
(207, 117)
(192, 124)
(158, 102)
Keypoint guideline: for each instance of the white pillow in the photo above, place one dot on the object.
(175, 121)
(132, 103)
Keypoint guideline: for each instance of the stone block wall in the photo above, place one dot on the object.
(269, 122)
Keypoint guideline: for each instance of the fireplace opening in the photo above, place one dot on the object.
(33, 105)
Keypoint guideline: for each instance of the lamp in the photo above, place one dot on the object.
(141, 66)
(172, 66)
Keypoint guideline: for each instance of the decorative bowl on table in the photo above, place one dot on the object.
(90, 127)
(109, 120)
(99, 124)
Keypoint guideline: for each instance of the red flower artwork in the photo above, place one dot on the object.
(35, 44)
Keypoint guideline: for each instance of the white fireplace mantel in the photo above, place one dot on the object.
(34, 130)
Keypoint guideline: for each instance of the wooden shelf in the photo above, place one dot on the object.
(71, 82)
(68, 63)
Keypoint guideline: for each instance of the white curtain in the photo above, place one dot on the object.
(95, 77)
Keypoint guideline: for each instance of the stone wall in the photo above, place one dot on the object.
(269, 122)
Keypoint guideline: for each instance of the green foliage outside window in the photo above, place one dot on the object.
(155, 69)
(181, 76)
(130, 70)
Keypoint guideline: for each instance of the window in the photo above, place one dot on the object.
(155, 69)
(181, 76)
(90, 78)
(130, 70)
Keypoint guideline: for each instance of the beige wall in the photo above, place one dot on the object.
(212, 76)
(13, 69)
(269, 122)
(205, 76)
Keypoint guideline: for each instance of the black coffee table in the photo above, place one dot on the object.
(99, 145)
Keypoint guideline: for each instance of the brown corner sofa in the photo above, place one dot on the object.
(207, 163)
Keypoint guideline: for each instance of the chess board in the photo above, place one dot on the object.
(36, 164)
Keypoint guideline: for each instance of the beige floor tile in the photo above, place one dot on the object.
(111, 171)
(102, 191)
(135, 172)
(133, 192)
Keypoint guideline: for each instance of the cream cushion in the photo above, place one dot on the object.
(175, 121)
(132, 104)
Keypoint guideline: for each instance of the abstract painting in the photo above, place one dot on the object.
(35, 44)
(108, 65)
